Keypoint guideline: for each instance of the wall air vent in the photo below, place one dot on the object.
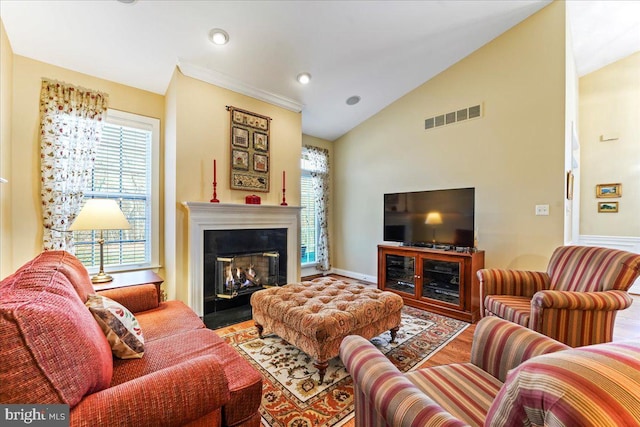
(474, 112)
(469, 113)
(429, 123)
(450, 118)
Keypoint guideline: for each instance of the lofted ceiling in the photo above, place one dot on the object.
(377, 50)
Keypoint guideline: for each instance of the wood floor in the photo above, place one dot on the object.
(459, 350)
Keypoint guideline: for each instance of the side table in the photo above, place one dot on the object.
(132, 278)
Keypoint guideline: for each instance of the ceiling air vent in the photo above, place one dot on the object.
(469, 113)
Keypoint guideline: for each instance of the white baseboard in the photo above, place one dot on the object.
(354, 275)
(311, 271)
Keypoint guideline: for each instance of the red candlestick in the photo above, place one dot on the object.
(284, 200)
(215, 183)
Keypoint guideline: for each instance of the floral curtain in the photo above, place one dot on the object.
(70, 126)
(317, 162)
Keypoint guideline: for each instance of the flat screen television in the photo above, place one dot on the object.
(428, 218)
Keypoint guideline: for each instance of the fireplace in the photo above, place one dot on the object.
(238, 263)
(239, 239)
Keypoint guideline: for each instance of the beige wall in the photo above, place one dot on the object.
(513, 156)
(202, 134)
(24, 145)
(6, 84)
(328, 145)
(610, 106)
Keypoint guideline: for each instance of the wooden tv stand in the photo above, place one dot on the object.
(440, 281)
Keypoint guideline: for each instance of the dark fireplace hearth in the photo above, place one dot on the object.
(238, 263)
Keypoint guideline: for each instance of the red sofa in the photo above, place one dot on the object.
(54, 351)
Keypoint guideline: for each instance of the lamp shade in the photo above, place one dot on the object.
(100, 214)
(433, 218)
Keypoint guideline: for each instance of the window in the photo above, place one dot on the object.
(126, 169)
(314, 198)
(309, 227)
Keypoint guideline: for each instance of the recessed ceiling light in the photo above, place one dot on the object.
(353, 100)
(304, 78)
(127, 1)
(218, 36)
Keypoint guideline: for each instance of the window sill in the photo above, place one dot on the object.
(124, 269)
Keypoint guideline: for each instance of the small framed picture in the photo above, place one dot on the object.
(260, 163)
(240, 137)
(608, 207)
(240, 159)
(608, 190)
(260, 141)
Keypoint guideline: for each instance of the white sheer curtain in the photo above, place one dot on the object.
(317, 162)
(70, 126)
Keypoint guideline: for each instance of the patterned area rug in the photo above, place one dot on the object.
(291, 394)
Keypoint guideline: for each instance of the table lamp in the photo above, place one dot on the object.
(434, 218)
(100, 214)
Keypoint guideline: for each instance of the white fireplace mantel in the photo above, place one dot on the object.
(205, 216)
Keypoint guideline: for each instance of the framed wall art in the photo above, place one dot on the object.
(608, 207)
(249, 150)
(260, 163)
(240, 159)
(240, 137)
(260, 141)
(608, 190)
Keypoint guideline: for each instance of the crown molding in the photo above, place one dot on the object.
(228, 82)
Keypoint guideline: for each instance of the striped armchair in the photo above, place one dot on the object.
(575, 301)
(516, 377)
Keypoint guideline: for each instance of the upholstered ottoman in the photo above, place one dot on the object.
(316, 315)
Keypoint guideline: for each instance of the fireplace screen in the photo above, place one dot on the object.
(244, 274)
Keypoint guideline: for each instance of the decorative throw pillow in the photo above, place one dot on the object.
(119, 325)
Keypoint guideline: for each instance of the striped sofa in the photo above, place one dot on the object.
(516, 377)
(575, 301)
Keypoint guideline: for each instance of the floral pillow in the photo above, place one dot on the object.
(119, 325)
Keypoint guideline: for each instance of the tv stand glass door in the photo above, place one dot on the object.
(400, 273)
(441, 280)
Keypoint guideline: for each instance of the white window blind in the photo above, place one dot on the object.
(125, 170)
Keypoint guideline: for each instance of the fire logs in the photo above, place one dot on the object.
(240, 278)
